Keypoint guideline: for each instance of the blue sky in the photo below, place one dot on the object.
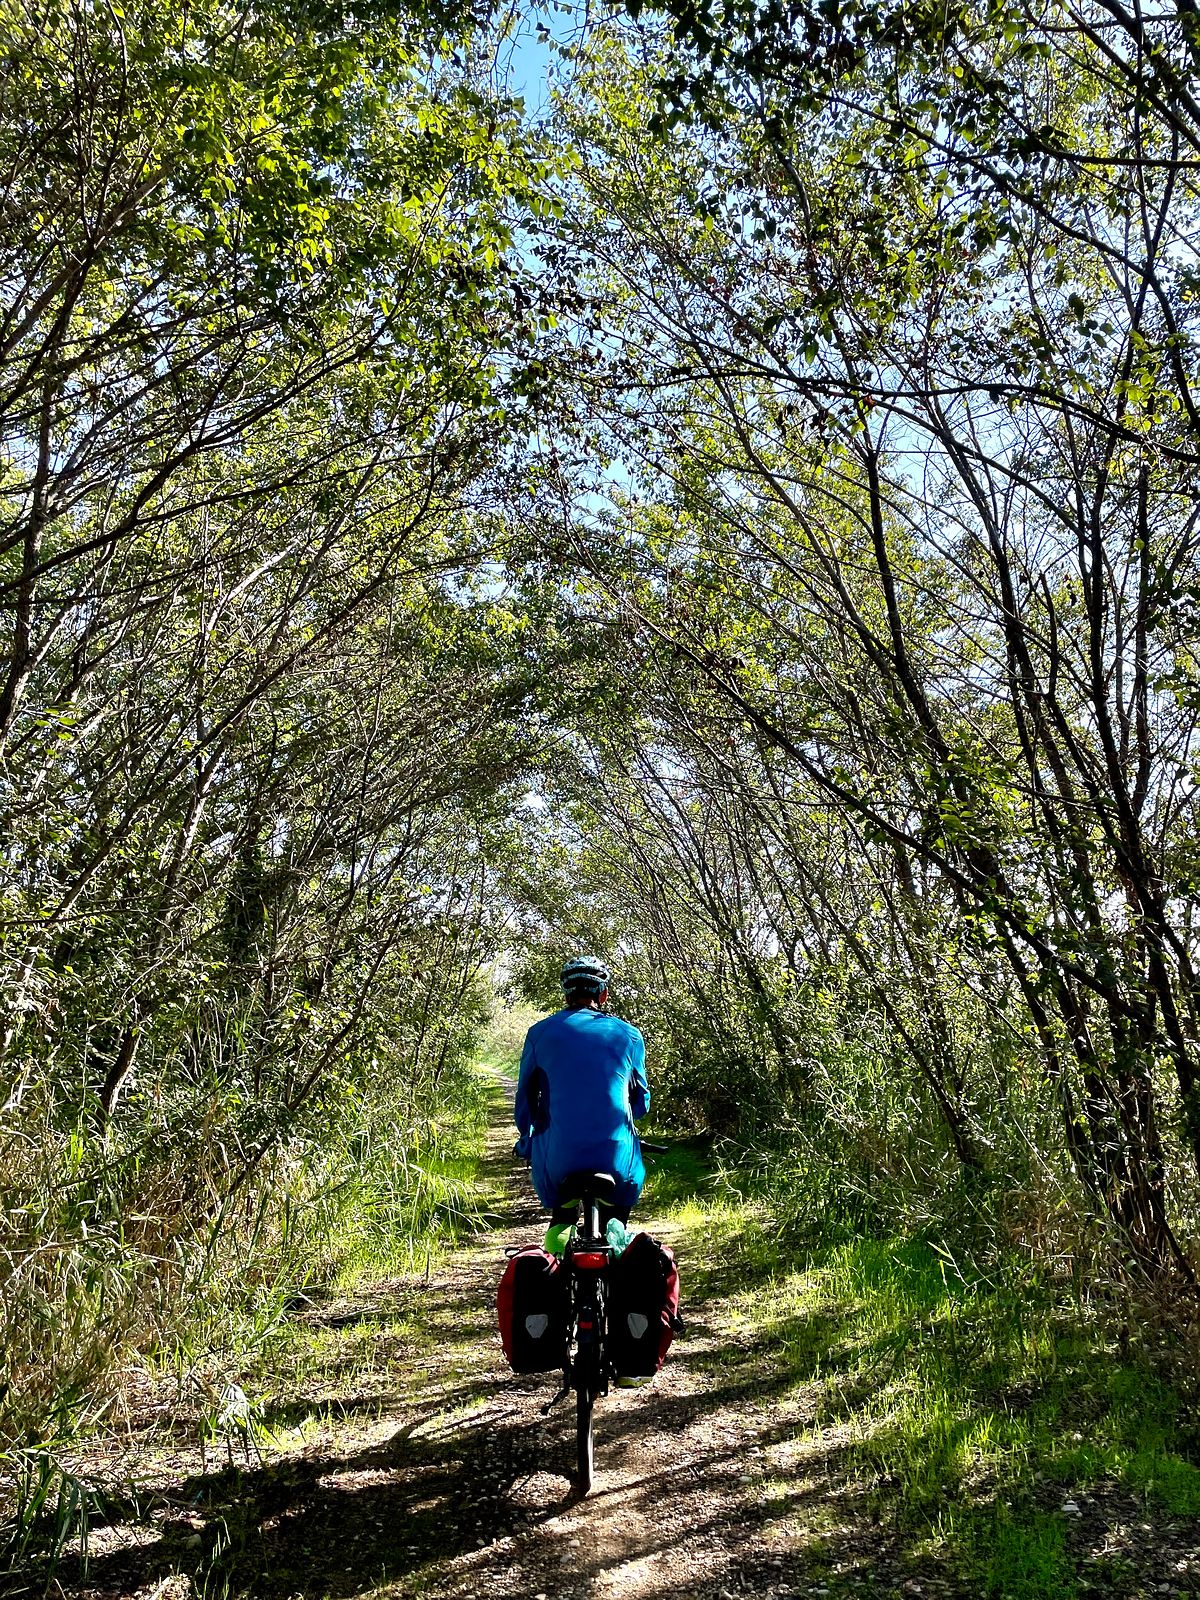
(525, 60)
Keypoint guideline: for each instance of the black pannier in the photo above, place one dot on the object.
(643, 1307)
(531, 1305)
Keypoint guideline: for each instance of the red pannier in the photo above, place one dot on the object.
(643, 1307)
(531, 1305)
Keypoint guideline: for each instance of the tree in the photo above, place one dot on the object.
(262, 354)
(898, 322)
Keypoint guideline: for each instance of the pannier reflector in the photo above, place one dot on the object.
(536, 1325)
(637, 1323)
(590, 1258)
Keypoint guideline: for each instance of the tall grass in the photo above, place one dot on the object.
(49, 1507)
(134, 1257)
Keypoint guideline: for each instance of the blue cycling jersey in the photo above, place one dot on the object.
(582, 1084)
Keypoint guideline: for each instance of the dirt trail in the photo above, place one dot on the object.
(428, 1469)
(669, 1512)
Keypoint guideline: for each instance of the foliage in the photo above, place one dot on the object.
(51, 1506)
(742, 522)
(263, 343)
(892, 371)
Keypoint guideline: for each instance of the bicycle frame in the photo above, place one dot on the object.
(587, 1259)
(586, 1262)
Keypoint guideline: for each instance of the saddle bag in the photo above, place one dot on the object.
(531, 1307)
(643, 1307)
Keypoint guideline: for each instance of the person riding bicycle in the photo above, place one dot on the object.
(581, 1087)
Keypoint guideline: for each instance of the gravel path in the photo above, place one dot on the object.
(669, 1512)
(704, 1488)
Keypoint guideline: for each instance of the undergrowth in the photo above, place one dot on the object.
(958, 1388)
(972, 1396)
(201, 1323)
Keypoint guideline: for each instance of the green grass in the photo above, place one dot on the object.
(928, 1411)
(676, 1175)
(1018, 1555)
(970, 1405)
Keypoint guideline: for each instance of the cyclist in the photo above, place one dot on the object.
(581, 1086)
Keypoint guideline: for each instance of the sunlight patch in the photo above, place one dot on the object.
(354, 1479)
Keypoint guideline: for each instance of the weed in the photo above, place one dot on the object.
(50, 1506)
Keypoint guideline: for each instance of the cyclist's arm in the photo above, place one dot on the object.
(522, 1110)
(639, 1089)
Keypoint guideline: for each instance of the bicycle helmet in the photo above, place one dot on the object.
(584, 975)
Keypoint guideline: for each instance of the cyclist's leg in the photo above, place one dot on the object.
(624, 1202)
(565, 1214)
(562, 1225)
(627, 1196)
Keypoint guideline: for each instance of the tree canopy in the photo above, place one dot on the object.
(740, 517)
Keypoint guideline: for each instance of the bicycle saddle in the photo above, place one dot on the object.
(601, 1186)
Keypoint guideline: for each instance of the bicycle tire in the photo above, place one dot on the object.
(585, 1447)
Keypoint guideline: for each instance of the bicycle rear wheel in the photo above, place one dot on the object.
(584, 1402)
